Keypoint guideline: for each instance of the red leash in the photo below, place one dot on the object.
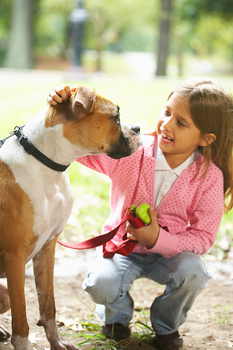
(110, 248)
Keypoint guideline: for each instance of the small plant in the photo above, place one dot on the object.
(141, 331)
(144, 330)
(96, 339)
(223, 314)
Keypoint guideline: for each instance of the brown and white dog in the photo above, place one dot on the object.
(36, 201)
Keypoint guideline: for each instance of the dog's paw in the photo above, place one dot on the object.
(70, 346)
(64, 345)
(4, 334)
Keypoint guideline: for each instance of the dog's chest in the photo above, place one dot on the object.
(51, 196)
(52, 207)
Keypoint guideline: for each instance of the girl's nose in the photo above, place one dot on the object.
(167, 123)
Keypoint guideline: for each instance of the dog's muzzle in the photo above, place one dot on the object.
(136, 129)
(128, 142)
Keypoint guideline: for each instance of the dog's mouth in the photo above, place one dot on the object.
(129, 141)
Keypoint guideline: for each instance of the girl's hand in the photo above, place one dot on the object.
(146, 235)
(59, 94)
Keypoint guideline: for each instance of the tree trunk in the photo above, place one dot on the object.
(180, 50)
(19, 53)
(164, 34)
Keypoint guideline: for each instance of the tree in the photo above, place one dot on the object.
(194, 9)
(110, 21)
(210, 26)
(19, 52)
(164, 35)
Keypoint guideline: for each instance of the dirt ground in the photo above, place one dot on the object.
(209, 324)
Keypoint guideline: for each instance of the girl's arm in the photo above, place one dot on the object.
(205, 219)
(100, 162)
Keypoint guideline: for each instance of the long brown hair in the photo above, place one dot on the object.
(211, 107)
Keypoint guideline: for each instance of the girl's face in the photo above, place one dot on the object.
(178, 136)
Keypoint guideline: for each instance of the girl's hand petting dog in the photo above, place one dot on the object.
(59, 94)
(146, 235)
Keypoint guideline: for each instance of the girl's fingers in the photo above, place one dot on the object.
(60, 94)
(50, 100)
(62, 91)
(73, 89)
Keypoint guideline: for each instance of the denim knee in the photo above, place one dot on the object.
(103, 289)
(191, 273)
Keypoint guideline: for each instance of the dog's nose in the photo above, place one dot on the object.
(136, 129)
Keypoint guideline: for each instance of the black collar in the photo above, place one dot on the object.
(29, 148)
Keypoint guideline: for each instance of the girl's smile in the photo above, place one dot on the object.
(166, 139)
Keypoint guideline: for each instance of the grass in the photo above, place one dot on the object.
(22, 95)
(223, 314)
(92, 336)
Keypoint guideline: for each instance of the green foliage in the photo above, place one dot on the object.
(5, 17)
(5, 20)
(224, 241)
(205, 26)
(52, 26)
(204, 40)
(196, 8)
(223, 314)
(113, 24)
(126, 26)
(141, 326)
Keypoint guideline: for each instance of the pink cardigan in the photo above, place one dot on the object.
(190, 213)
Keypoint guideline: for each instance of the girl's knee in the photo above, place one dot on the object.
(107, 281)
(191, 273)
(102, 289)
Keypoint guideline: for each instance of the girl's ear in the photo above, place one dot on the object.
(207, 139)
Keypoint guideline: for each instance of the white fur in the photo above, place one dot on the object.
(49, 191)
(20, 343)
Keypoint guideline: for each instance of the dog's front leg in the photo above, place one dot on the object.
(43, 270)
(15, 272)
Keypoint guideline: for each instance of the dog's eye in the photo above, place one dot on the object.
(116, 119)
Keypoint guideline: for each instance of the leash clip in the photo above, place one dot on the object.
(17, 131)
(11, 133)
(23, 140)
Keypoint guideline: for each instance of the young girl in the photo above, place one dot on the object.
(184, 172)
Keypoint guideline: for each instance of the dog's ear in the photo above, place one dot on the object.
(84, 101)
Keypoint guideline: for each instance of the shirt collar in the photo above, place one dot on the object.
(161, 163)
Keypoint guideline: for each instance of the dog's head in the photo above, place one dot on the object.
(93, 122)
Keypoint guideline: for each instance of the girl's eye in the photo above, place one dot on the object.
(167, 113)
(180, 123)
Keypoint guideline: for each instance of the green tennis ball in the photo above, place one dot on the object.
(143, 211)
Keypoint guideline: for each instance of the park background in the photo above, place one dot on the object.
(131, 51)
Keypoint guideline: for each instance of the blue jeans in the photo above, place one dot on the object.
(109, 281)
